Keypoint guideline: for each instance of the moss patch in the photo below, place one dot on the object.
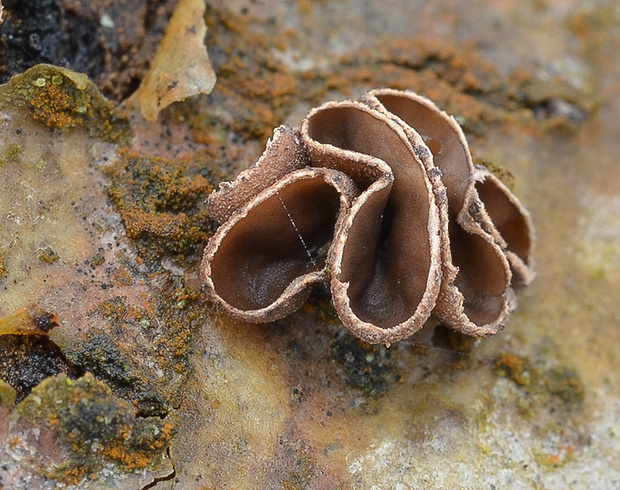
(97, 427)
(142, 353)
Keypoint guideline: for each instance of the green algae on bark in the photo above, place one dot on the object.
(62, 99)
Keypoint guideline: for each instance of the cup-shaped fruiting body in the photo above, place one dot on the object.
(386, 266)
(379, 199)
(259, 265)
(475, 292)
(513, 227)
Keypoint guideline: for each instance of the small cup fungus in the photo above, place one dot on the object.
(380, 199)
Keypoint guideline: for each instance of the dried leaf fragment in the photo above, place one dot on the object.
(408, 237)
(28, 321)
(181, 67)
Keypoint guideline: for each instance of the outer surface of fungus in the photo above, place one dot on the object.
(380, 199)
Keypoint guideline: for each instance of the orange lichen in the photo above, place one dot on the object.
(132, 461)
(61, 99)
(253, 85)
(122, 313)
(54, 108)
(160, 202)
(122, 276)
(514, 367)
(140, 456)
(458, 79)
(256, 90)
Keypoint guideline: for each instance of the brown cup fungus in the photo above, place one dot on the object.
(379, 199)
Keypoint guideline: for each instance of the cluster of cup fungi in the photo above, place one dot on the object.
(379, 199)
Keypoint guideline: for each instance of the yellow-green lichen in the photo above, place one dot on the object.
(61, 99)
